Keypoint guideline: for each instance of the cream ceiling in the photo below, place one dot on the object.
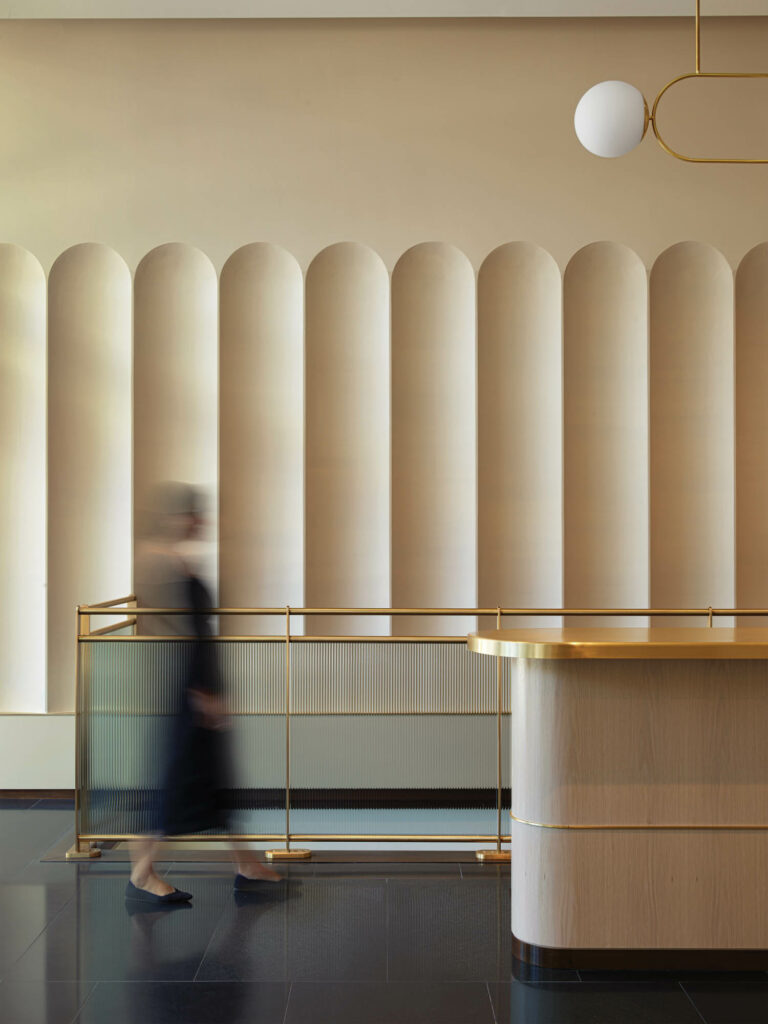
(370, 8)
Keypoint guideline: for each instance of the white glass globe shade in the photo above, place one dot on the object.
(611, 118)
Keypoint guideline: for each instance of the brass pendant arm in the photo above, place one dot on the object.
(702, 159)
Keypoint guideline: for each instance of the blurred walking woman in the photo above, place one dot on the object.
(196, 782)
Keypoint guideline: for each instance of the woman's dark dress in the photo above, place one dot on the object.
(196, 787)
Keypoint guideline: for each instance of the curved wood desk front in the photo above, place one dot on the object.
(639, 821)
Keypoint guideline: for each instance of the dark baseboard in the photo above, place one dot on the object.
(252, 799)
(37, 794)
(368, 799)
(318, 799)
(640, 959)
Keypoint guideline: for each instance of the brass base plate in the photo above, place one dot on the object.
(493, 856)
(73, 853)
(288, 854)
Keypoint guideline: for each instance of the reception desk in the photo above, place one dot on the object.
(639, 778)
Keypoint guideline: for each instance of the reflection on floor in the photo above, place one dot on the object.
(371, 943)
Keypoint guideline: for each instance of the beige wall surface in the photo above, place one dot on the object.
(388, 133)
(453, 137)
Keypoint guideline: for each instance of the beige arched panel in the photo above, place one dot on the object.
(691, 429)
(751, 419)
(261, 443)
(22, 482)
(434, 437)
(605, 430)
(520, 494)
(89, 447)
(175, 396)
(348, 437)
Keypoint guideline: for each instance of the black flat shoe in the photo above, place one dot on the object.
(132, 892)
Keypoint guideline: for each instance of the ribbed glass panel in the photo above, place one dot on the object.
(393, 738)
(130, 693)
(393, 679)
(386, 738)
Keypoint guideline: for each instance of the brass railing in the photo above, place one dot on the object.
(127, 608)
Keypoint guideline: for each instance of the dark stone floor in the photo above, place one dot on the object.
(335, 944)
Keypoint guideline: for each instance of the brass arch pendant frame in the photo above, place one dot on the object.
(698, 73)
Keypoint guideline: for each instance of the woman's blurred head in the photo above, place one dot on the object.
(175, 511)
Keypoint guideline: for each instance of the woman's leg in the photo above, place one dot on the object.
(143, 874)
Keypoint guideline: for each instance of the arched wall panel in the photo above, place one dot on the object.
(692, 429)
(176, 381)
(22, 482)
(89, 447)
(605, 364)
(347, 437)
(261, 443)
(751, 389)
(520, 525)
(434, 437)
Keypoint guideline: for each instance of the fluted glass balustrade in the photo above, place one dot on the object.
(387, 739)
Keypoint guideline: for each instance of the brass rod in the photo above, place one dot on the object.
(78, 779)
(498, 740)
(111, 629)
(110, 604)
(287, 727)
(255, 638)
(304, 836)
(328, 713)
(195, 837)
(383, 612)
(409, 838)
(468, 612)
(698, 37)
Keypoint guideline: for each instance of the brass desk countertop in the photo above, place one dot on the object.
(631, 642)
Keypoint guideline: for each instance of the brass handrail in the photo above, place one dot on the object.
(131, 621)
(506, 612)
(84, 841)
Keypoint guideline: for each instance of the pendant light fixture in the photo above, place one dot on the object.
(612, 117)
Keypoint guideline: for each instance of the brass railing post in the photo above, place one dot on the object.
(82, 849)
(288, 853)
(498, 855)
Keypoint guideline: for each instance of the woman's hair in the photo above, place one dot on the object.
(169, 501)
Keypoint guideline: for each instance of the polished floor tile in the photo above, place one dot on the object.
(26, 835)
(730, 1002)
(641, 977)
(389, 1003)
(137, 1002)
(189, 869)
(383, 870)
(477, 869)
(579, 1003)
(369, 943)
(25, 912)
(449, 931)
(100, 937)
(53, 1002)
(316, 929)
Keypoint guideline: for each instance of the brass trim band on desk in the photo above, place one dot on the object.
(640, 828)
